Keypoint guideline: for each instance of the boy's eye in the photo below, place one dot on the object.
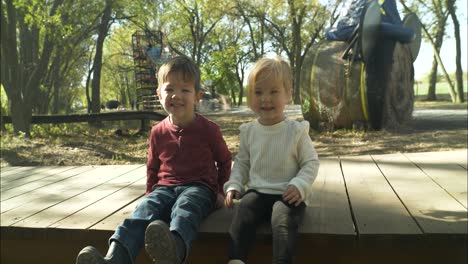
(274, 91)
(186, 90)
(258, 92)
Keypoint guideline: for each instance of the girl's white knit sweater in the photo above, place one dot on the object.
(272, 157)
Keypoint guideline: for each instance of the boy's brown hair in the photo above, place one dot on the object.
(183, 66)
(276, 68)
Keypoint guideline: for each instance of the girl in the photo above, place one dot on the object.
(275, 166)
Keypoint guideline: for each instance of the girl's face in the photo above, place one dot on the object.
(179, 99)
(269, 99)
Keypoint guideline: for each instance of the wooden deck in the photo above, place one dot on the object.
(398, 208)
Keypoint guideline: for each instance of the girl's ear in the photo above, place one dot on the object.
(158, 93)
(290, 96)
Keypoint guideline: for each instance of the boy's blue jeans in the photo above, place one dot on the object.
(182, 207)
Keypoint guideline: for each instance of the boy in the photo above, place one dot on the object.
(188, 163)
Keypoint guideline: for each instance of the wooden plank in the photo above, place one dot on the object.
(20, 172)
(94, 213)
(71, 206)
(18, 196)
(449, 175)
(433, 208)
(376, 208)
(330, 212)
(25, 189)
(23, 206)
(35, 181)
(111, 222)
(7, 168)
(460, 156)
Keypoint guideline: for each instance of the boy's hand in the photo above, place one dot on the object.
(292, 195)
(219, 201)
(230, 196)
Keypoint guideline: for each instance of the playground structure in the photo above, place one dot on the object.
(362, 75)
(149, 52)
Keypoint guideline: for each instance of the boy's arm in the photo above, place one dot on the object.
(152, 165)
(222, 157)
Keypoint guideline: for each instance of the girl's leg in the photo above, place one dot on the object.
(285, 220)
(253, 209)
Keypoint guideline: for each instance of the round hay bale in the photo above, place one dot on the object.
(346, 93)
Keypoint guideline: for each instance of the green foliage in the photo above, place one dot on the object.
(3, 101)
(117, 80)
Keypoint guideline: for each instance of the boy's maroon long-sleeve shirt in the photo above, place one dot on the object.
(194, 154)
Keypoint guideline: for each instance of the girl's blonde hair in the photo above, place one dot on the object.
(276, 68)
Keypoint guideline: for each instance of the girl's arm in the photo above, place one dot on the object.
(241, 168)
(308, 162)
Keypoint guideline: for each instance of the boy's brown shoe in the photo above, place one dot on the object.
(90, 255)
(116, 254)
(160, 243)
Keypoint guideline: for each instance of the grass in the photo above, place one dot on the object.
(78, 144)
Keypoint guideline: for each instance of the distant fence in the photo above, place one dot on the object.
(144, 116)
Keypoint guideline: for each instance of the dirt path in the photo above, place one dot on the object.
(436, 119)
(423, 119)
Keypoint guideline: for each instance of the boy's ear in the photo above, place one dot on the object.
(198, 96)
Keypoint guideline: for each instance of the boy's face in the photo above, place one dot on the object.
(179, 99)
(269, 99)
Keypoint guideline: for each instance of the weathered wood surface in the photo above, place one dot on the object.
(358, 204)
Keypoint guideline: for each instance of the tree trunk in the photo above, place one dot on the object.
(97, 63)
(431, 94)
(22, 66)
(459, 70)
(440, 31)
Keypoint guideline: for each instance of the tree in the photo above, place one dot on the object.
(118, 66)
(103, 29)
(293, 26)
(187, 25)
(435, 33)
(459, 71)
(27, 42)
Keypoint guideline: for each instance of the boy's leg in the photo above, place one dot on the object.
(193, 204)
(155, 206)
(253, 209)
(285, 220)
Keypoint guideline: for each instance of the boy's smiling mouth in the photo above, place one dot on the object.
(264, 108)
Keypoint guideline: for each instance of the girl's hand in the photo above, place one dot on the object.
(230, 196)
(292, 195)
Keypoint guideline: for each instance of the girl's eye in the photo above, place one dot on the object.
(274, 91)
